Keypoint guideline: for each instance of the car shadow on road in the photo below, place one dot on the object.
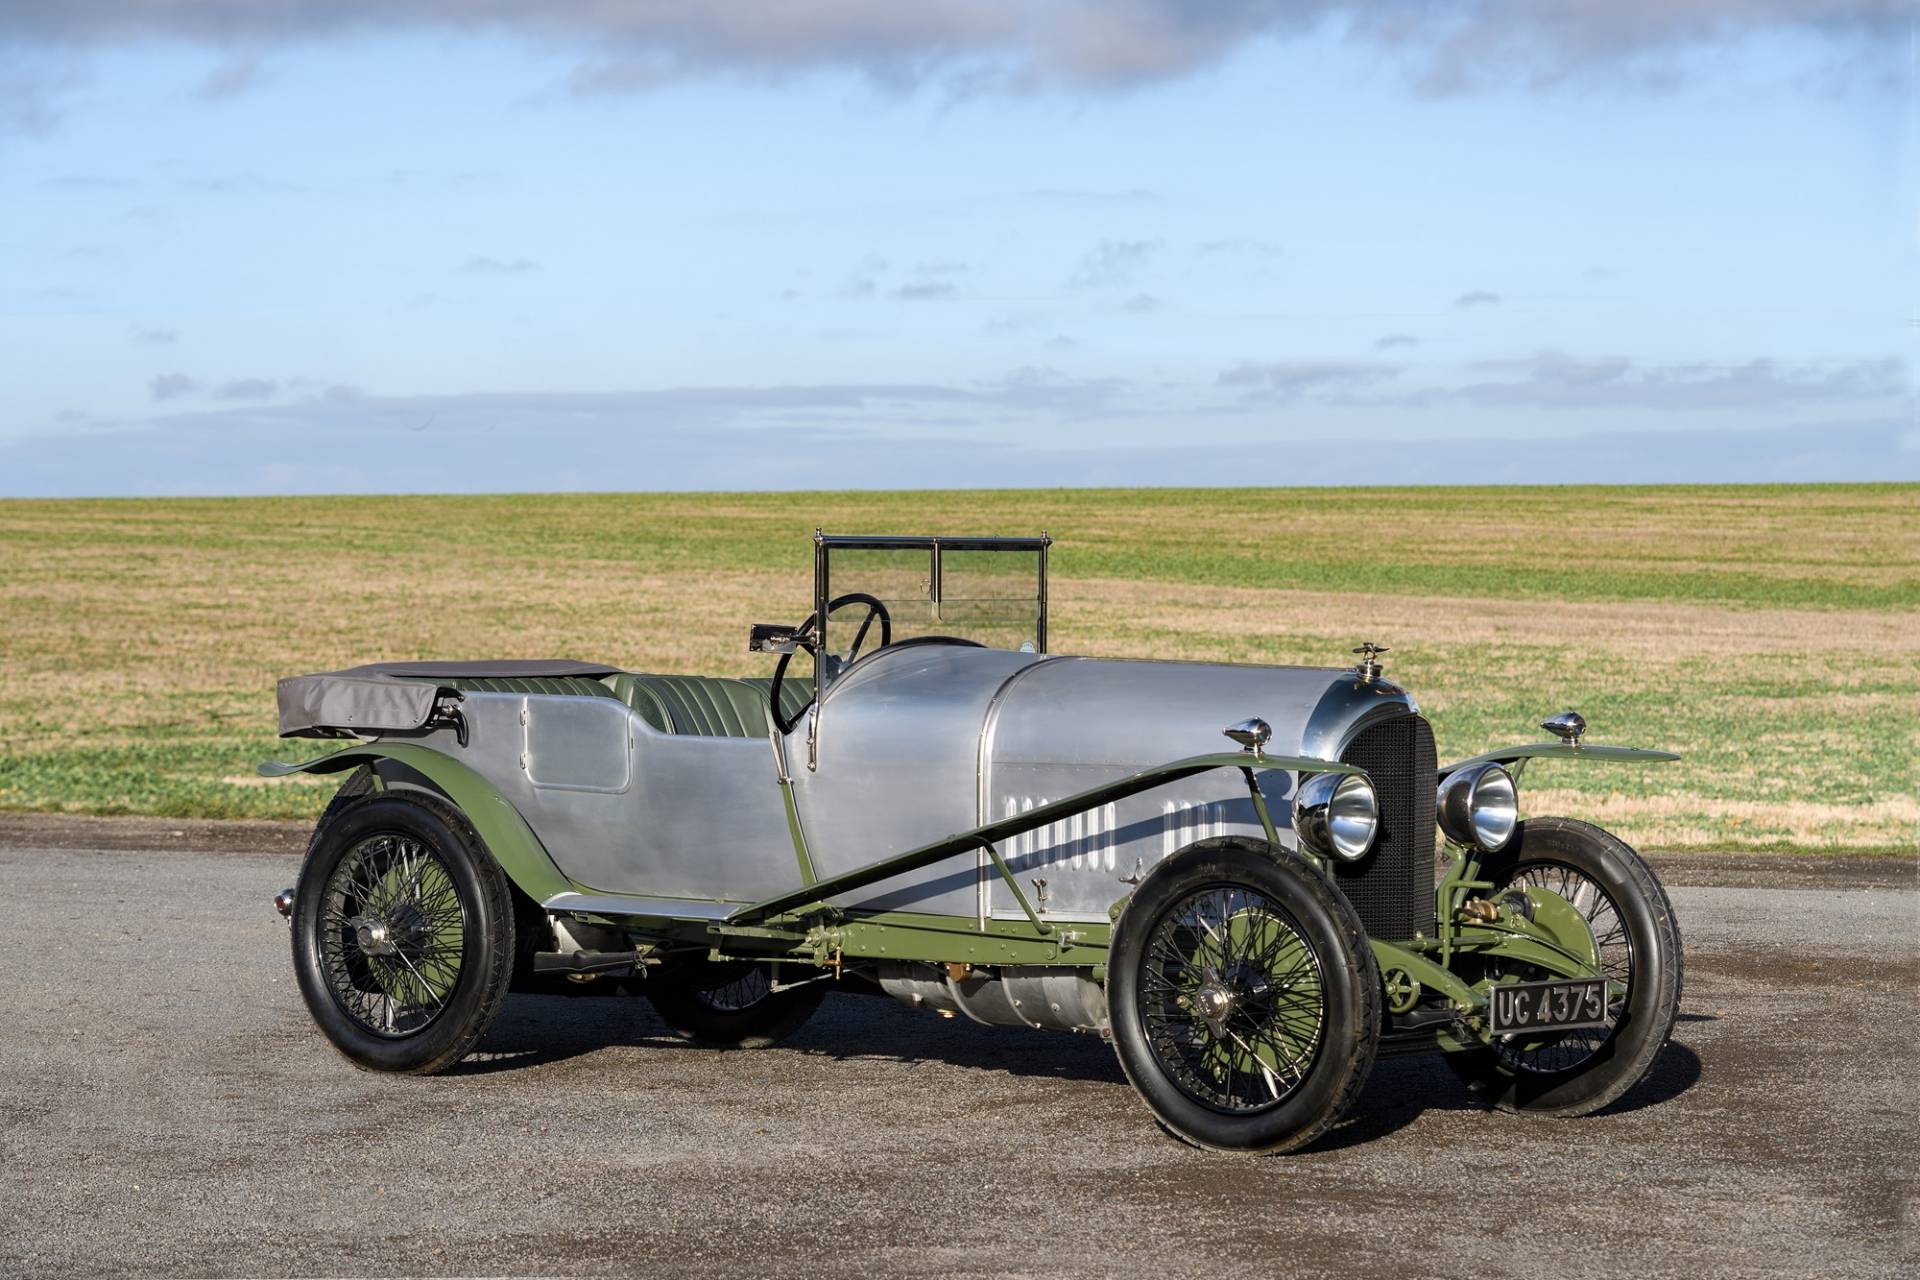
(1403, 1089)
(1677, 1070)
(535, 1031)
(540, 1030)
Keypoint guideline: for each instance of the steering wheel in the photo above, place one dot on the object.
(874, 610)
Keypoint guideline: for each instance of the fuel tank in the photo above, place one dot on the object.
(918, 744)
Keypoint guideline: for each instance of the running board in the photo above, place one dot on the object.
(616, 904)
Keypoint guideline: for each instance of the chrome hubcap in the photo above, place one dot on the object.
(375, 938)
(1215, 1004)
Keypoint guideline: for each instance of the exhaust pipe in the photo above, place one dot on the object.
(283, 903)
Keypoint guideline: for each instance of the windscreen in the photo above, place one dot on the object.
(994, 597)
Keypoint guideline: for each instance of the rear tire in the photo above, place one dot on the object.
(1245, 1000)
(402, 933)
(730, 1004)
(1553, 851)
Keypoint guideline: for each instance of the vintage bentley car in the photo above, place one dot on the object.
(933, 807)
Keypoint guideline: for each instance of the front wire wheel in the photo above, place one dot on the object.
(1244, 997)
(1232, 999)
(1612, 944)
(1576, 1073)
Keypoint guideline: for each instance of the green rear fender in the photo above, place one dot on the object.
(508, 837)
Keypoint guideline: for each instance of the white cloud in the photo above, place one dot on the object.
(1006, 45)
(1556, 380)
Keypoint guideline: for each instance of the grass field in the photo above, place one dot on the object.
(1771, 634)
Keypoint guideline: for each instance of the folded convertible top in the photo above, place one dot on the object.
(387, 697)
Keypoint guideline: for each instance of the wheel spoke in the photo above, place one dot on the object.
(1613, 945)
(1231, 998)
(400, 893)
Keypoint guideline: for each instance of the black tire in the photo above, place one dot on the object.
(1616, 1060)
(419, 840)
(729, 1005)
(359, 784)
(1291, 918)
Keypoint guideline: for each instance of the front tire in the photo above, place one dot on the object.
(1245, 1000)
(1639, 944)
(402, 933)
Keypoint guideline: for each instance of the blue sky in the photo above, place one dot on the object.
(292, 247)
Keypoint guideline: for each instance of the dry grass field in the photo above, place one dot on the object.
(1771, 634)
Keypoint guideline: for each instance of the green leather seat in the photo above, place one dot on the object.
(795, 693)
(629, 689)
(706, 706)
(712, 707)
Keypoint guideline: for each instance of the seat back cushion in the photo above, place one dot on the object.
(700, 705)
(709, 706)
(713, 707)
(795, 693)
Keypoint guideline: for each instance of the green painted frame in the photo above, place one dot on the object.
(801, 926)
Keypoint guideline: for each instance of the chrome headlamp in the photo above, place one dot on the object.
(1479, 807)
(1336, 815)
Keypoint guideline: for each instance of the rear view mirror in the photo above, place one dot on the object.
(771, 637)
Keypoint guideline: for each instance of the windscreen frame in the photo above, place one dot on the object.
(824, 544)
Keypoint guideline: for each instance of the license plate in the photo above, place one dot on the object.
(1546, 1006)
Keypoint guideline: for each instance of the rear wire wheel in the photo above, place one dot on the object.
(402, 933)
(1245, 1000)
(393, 934)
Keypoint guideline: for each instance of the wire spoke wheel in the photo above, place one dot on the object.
(1636, 941)
(392, 934)
(403, 938)
(1232, 998)
(1244, 998)
(1614, 946)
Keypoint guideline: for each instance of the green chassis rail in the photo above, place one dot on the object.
(802, 926)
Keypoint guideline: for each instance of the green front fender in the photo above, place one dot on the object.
(508, 837)
(1561, 751)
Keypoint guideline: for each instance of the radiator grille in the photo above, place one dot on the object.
(1392, 887)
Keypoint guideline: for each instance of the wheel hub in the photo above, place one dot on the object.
(388, 935)
(375, 936)
(1215, 1004)
(384, 937)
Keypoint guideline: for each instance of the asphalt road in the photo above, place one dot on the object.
(166, 1108)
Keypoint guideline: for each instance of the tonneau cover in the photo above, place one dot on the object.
(387, 697)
